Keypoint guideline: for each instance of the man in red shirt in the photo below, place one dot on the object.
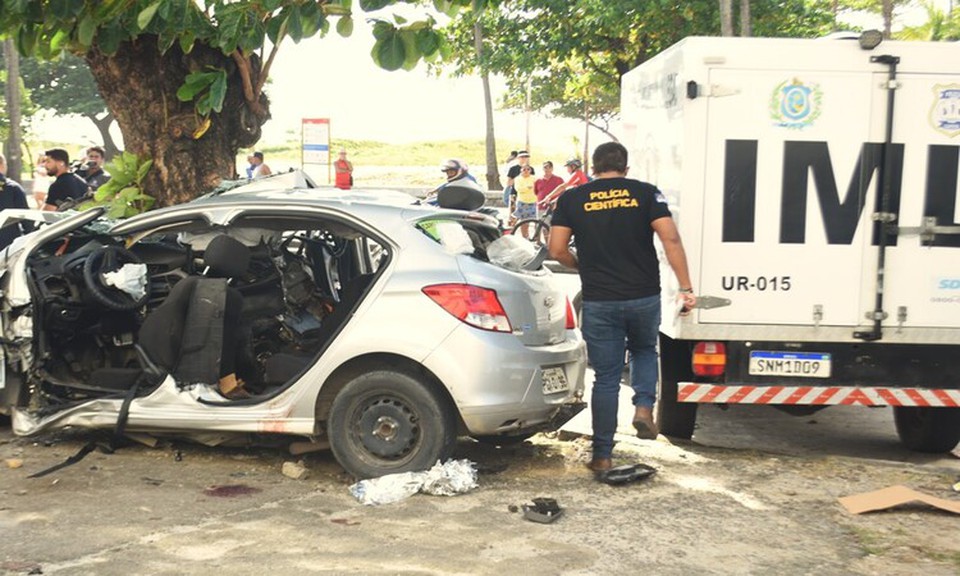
(577, 177)
(548, 183)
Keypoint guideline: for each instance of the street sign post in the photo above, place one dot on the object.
(315, 142)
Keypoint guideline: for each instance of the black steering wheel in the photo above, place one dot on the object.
(109, 259)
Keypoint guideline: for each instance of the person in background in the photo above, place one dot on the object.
(67, 186)
(250, 167)
(344, 170)
(259, 168)
(524, 184)
(93, 171)
(508, 190)
(614, 219)
(576, 178)
(41, 181)
(548, 183)
(523, 159)
(12, 195)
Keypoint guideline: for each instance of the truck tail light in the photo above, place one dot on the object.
(709, 359)
(473, 305)
(571, 317)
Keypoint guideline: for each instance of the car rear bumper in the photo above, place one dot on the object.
(498, 383)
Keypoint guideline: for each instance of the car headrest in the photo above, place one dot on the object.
(461, 195)
(226, 257)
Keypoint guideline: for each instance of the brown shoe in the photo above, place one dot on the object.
(600, 464)
(644, 425)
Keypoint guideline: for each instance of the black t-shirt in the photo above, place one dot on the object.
(611, 218)
(12, 195)
(67, 185)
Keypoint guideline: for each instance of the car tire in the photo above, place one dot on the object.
(927, 429)
(386, 422)
(675, 419)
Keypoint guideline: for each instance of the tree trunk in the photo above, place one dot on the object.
(746, 28)
(103, 126)
(887, 18)
(140, 86)
(726, 17)
(493, 172)
(11, 147)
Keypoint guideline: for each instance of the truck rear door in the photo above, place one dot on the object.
(789, 181)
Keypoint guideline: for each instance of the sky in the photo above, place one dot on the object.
(336, 78)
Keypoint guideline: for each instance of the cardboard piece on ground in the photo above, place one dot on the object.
(894, 496)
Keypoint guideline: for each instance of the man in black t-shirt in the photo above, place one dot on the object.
(67, 186)
(614, 219)
(12, 195)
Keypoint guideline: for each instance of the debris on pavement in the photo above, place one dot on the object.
(543, 510)
(894, 496)
(14, 462)
(295, 470)
(626, 473)
(230, 490)
(448, 479)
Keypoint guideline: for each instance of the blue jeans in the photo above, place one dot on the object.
(607, 325)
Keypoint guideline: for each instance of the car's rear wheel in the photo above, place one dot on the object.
(385, 422)
(927, 429)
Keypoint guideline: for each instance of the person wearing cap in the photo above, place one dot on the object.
(455, 170)
(576, 178)
(523, 159)
(614, 219)
(344, 170)
(526, 196)
(67, 186)
(259, 168)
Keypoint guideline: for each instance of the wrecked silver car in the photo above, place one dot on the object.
(379, 327)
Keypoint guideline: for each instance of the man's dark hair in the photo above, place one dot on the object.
(258, 154)
(58, 154)
(98, 150)
(548, 164)
(610, 157)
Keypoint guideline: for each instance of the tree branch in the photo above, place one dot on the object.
(243, 65)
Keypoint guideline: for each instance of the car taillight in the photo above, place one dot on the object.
(709, 359)
(571, 318)
(473, 305)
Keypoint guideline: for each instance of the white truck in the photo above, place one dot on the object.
(814, 183)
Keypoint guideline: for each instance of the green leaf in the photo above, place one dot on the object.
(428, 41)
(146, 15)
(128, 194)
(143, 169)
(86, 30)
(109, 38)
(411, 54)
(391, 52)
(59, 39)
(117, 210)
(218, 91)
(345, 26)
(187, 41)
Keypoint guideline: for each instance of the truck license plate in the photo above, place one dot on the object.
(554, 380)
(796, 364)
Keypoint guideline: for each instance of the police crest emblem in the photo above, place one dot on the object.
(795, 104)
(945, 112)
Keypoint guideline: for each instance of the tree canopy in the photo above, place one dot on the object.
(185, 78)
(571, 55)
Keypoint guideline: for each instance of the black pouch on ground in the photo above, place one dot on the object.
(626, 473)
